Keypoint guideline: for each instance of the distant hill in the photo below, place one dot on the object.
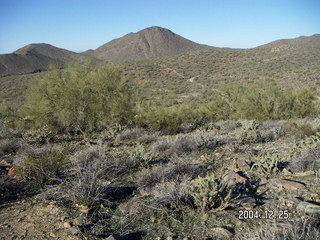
(34, 58)
(181, 77)
(149, 43)
(157, 42)
(288, 63)
(302, 42)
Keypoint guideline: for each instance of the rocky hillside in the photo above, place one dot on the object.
(151, 42)
(302, 42)
(34, 58)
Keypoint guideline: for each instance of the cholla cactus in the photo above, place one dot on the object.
(251, 133)
(209, 193)
(140, 155)
(309, 142)
(268, 165)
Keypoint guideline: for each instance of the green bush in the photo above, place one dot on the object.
(42, 168)
(171, 120)
(263, 101)
(80, 98)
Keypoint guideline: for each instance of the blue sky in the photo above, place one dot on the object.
(79, 25)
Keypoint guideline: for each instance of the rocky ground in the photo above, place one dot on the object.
(273, 178)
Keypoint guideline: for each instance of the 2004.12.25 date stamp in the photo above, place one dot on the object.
(263, 214)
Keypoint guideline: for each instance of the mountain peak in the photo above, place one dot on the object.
(33, 47)
(151, 42)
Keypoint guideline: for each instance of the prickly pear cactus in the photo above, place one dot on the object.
(268, 165)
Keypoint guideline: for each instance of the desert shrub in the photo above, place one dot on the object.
(9, 142)
(10, 187)
(131, 134)
(263, 101)
(315, 124)
(205, 140)
(188, 126)
(174, 119)
(183, 144)
(306, 154)
(169, 196)
(148, 138)
(43, 168)
(194, 141)
(227, 125)
(299, 130)
(41, 135)
(91, 172)
(111, 132)
(141, 156)
(294, 230)
(161, 145)
(166, 173)
(82, 97)
(8, 146)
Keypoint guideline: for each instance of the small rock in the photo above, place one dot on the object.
(246, 202)
(288, 201)
(309, 208)
(263, 181)
(66, 225)
(222, 232)
(286, 184)
(77, 221)
(113, 237)
(4, 163)
(304, 174)
(11, 171)
(133, 206)
(232, 177)
(287, 172)
(270, 203)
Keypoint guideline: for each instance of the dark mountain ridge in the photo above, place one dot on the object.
(35, 57)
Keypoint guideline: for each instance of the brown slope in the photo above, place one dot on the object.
(151, 42)
(302, 42)
(34, 58)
